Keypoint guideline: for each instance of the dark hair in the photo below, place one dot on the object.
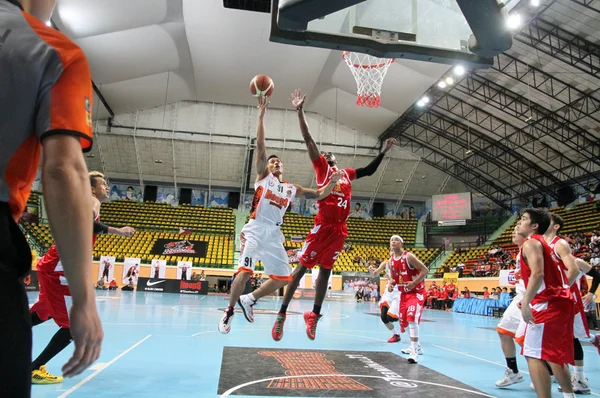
(272, 156)
(540, 217)
(557, 220)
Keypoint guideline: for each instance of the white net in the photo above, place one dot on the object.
(369, 72)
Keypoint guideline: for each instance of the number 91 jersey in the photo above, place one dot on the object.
(337, 205)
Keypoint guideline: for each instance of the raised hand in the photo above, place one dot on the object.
(297, 99)
(262, 105)
(335, 177)
(388, 144)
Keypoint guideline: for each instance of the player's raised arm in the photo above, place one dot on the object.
(297, 100)
(322, 192)
(376, 271)
(371, 168)
(261, 145)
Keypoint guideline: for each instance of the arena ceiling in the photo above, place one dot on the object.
(528, 125)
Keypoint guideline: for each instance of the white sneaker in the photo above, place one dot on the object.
(413, 357)
(509, 379)
(532, 386)
(246, 303)
(580, 386)
(225, 322)
(407, 350)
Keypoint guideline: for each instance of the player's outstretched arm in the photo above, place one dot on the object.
(322, 192)
(65, 179)
(297, 100)
(587, 269)
(261, 142)
(534, 254)
(564, 251)
(376, 271)
(100, 228)
(371, 168)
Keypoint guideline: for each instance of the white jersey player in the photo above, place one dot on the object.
(508, 328)
(261, 237)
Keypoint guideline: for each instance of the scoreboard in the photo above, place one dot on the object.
(453, 206)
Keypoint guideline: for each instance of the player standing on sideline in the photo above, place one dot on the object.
(546, 305)
(326, 240)
(562, 256)
(261, 237)
(509, 324)
(409, 273)
(54, 290)
(46, 103)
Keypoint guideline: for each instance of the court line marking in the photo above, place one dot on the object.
(90, 377)
(475, 357)
(234, 389)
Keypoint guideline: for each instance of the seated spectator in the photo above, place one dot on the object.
(494, 294)
(129, 287)
(113, 285)
(466, 293)
(486, 294)
(100, 285)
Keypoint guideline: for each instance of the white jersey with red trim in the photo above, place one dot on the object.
(271, 200)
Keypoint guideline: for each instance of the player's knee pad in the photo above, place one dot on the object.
(413, 330)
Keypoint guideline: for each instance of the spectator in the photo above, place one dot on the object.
(486, 294)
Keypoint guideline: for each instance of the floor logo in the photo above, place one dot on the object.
(318, 373)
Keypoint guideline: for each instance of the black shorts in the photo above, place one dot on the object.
(15, 321)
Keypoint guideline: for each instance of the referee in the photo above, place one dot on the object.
(45, 102)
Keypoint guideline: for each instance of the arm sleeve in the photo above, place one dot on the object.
(100, 228)
(595, 279)
(371, 168)
(66, 106)
(321, 167)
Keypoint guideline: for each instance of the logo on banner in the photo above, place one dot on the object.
(149, 283)
(512, 279)
(180, 247)
(190, 285)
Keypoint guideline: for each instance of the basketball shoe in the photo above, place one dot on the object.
(407, 350)
(394, 339)
(225, 322)
(311, 320)
(277, 331)
(247, 303)
(41, 376)
(510, 378)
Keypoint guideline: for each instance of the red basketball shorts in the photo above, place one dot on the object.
(54, 300)
(323, 245)
(411, 308)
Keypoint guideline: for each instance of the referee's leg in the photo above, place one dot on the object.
(15, 336)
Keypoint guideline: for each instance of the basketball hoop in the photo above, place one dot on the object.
(369, 72)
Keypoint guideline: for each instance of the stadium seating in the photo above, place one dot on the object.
(376, 231)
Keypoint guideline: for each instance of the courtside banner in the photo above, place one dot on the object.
(172, 286)
(180, 247)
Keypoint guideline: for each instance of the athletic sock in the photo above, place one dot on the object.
(251, 296)
(316, 309)
(59, 342)
(511, 363)
(414, 345)
(578, 370)
(568, 395)
(395, 330)
(283, 309)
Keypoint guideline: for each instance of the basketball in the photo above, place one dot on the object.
(261, 85)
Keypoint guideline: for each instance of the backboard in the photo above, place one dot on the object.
(425, 30)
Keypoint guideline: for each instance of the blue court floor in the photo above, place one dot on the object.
(167, 345)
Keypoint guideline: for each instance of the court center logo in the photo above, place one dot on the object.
(319, 373)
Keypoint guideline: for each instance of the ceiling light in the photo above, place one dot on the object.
(442, 84)
(398, 179)
(48, 23)
(425, 99)
(535, 3)
(514, 21)
(420, 103)
(422, 177)
(158, 161)
(459, 70)
(449, 80)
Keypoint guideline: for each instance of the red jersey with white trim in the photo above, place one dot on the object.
(402, 273)
(50, 261)
(575, 287)
(554, 285)
(336, 206)
(271, 199)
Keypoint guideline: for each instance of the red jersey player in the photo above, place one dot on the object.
(54, 291)
(326, 240)
(576, 270)
(546, 305)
